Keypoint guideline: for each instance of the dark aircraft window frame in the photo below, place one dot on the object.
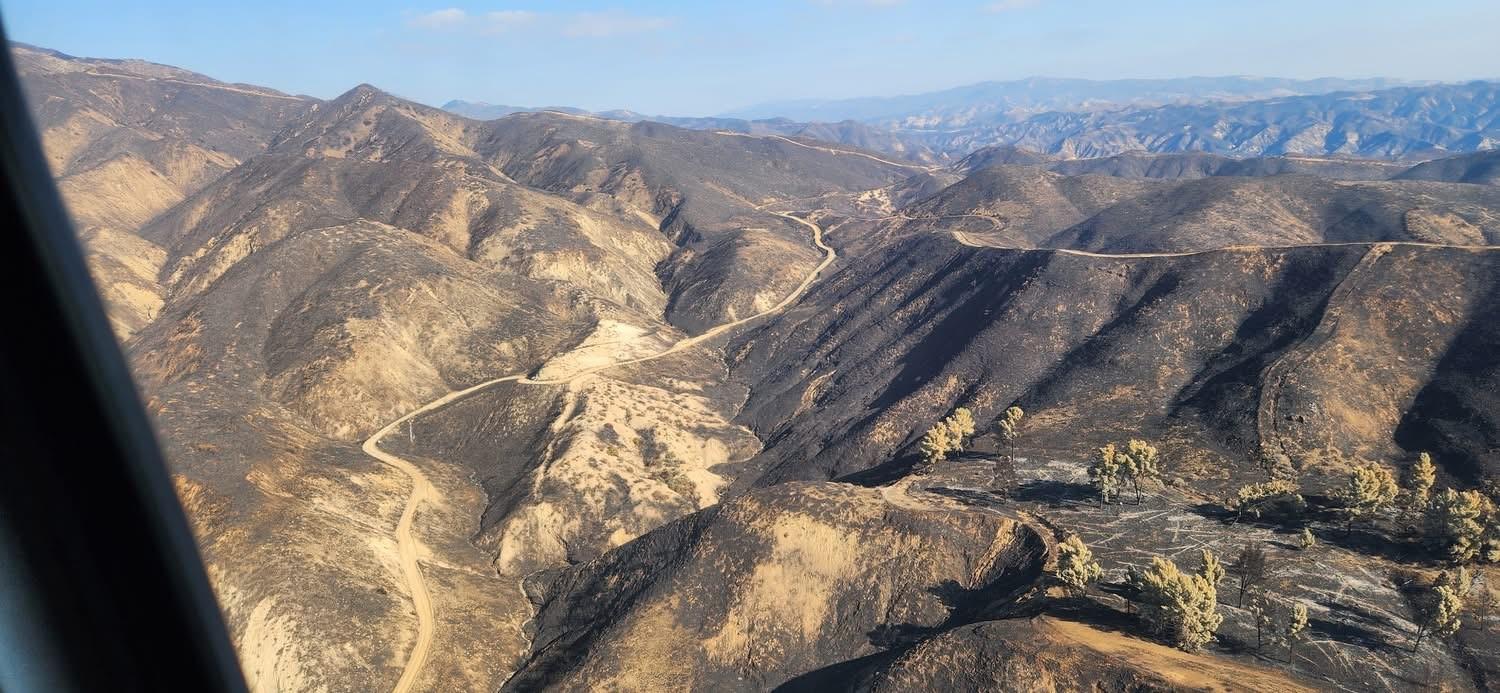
(101, 583)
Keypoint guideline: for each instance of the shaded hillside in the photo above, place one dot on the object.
(1178, 349)
(702, 188)
(128, 139)
(1186, 203)
(1020, 206)
(695, 181)
(1200, 165)
(1000, 155)
(1481, 168)
(773, 585)
(367, 155)
(1289, 210)
(482, 188)
(351, 325)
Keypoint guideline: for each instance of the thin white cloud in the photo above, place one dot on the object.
(439, 19)
(501, 21)
(578, 24)
(1010, 5)
(612, 23)
(862, 3)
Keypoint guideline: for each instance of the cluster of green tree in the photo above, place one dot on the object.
(1113, 468)
(1183, 606)
(1008, 428)
(1180, 606)
(1460, 525)
(1274, 498)
(1440, 606)
(1463, 526)
(952, 433)
(1076, 567)
(947, 436)
(1278, 622)
(1369, 491)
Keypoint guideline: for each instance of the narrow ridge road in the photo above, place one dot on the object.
(969, 239)
(422, 489)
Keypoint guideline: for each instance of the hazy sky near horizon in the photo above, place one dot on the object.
(670, 57)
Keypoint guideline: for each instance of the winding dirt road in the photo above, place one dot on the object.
(969, 239)
(830, 150)
(408, 547)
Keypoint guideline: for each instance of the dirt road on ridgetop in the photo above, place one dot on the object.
(970, 240)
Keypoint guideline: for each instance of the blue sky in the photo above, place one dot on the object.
(700, 58)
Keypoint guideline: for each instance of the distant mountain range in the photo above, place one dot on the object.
(1233, 116)
(479, 110)
(989, 103)
(1399, 123)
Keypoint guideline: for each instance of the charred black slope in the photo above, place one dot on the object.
(1480, 168)
(1201, 165)
(1019, 206)
(774, 585)
(1289, 210)
(1219, 352)
(1158, 207)
(818, 587)
(1463, 168)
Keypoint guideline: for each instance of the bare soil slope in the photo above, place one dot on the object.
(128, 139)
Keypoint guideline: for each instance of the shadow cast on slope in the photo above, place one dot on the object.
(1461, 401)
(1002, 597)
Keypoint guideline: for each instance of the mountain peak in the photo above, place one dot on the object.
(366, 122)
(362, 92)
